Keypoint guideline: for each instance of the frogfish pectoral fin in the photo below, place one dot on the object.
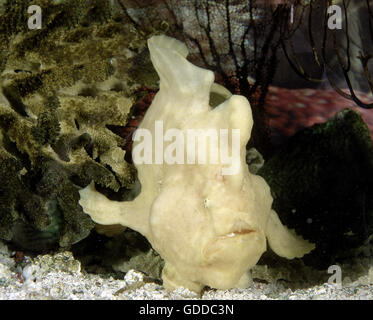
(285, 242)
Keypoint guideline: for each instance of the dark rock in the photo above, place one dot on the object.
(322, 185)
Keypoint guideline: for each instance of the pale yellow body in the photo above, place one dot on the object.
(209, 228)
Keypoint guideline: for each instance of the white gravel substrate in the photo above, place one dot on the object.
(60, 277)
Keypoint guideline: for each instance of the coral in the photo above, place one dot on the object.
(62, 88)
(210, 226)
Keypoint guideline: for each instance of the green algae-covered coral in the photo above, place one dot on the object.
(62, 87)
